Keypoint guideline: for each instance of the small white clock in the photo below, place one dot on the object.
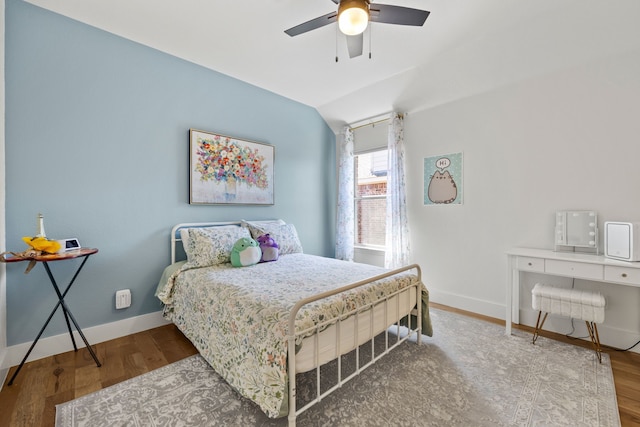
(69, 244)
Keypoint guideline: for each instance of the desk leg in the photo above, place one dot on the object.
(509, 297)
(86, 343)
(512, 314)
(62, 295)
(15, 374)
(67, 316)
(67, 312)
(516, 294)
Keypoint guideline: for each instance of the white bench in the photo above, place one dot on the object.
(573, 303)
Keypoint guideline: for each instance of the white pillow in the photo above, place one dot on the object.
(212, 245)
(285, 235)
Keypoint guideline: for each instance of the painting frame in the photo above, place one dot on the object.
(226, 170)
(444, 180)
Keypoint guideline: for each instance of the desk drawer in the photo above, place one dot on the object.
(630, 276)
(530, 264)
(574, 269)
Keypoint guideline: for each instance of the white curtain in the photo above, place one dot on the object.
(397, 253)
(345, 224)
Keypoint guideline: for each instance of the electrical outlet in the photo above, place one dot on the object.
(123, 299)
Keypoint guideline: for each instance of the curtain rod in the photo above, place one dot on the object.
(375, 122)
(370, 123)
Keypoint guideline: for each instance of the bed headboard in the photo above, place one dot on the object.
(176, 240)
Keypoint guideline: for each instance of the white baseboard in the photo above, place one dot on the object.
(96, 334)
(486, 308)
(3, 357)
(611, 336)
(3, 376)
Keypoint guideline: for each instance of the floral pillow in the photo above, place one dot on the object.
(285, 234)
(212, 245)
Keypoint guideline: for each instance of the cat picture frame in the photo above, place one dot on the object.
(443, 184)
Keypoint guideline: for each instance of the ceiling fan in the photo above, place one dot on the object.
(353, 17)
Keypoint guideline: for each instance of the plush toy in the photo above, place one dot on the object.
(245, 252)
(269, 247)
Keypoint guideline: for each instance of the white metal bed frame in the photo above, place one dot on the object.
(356, 313)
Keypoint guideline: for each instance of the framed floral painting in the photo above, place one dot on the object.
(228, 170)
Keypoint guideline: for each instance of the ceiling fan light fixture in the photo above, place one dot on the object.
(353, 16)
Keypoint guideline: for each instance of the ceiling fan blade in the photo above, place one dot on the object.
(389, 14)
(321, 21)
(354, 45)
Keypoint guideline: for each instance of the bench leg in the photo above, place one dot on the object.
(595, 338)
(536, 332)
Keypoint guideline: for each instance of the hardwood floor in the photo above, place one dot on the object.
(44, 383)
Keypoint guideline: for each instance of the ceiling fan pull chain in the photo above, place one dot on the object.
(370, 29)
(336, 43)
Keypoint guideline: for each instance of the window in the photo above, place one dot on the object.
(371, 198)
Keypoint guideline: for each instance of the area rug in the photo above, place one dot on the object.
(469, 374)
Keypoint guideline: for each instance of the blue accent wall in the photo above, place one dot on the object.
(97, 141)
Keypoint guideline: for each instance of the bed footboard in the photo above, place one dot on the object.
(395, 305)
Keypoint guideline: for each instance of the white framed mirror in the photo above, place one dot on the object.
(576, 231)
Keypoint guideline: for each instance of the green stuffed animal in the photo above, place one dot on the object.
(245, 252)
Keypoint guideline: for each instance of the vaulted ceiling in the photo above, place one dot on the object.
(465, 47)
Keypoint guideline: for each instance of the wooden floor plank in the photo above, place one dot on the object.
(153, 357)
(30, 404)
(62, 377)
(87, 380)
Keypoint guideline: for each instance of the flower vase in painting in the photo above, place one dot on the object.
(230, 189)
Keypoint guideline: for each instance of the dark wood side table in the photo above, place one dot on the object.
(84, 253)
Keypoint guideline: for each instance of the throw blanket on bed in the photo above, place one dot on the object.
(237, 317)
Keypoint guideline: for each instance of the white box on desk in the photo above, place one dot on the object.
(622, 240)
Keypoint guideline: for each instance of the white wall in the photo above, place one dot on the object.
(3, 281)
(566, 140)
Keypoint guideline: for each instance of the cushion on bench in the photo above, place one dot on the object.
(574, 303)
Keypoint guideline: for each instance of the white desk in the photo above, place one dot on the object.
(568, 264)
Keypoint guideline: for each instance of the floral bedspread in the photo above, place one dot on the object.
(238, 317)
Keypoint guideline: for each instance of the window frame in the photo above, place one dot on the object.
(357, 198)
